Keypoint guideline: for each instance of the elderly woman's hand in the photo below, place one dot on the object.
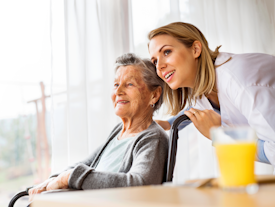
(60, 182)
(39, 188)
(204, 120)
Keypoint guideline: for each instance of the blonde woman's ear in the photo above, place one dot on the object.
(197, 48)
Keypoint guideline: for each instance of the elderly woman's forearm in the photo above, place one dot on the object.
(147, 168)
(87, 178)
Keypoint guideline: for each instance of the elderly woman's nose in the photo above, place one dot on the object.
(119, 90)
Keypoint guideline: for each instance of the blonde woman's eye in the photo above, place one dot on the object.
(155, 62)
(167, 52)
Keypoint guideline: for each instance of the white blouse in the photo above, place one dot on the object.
(246, 92)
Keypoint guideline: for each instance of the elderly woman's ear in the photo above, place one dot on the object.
(156, 95)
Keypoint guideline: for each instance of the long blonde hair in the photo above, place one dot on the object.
(205, 77)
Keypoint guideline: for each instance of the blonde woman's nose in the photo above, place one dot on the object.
(160, 64)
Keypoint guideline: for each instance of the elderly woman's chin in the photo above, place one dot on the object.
(121, 111)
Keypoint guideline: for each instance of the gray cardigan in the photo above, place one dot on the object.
(144, 162)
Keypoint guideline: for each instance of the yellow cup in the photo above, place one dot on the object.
(236, 150)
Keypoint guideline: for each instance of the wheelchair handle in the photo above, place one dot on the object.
(173, 146)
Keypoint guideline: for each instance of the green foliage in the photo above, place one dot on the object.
(13, 144)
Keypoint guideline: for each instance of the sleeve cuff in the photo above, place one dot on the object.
(269, 150)
(171, 120)
(183, 124)
(260, 152)
(78, 176)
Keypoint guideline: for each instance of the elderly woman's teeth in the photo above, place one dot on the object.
(169, 74)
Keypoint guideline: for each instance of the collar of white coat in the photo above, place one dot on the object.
(202, 103)
(223, 58)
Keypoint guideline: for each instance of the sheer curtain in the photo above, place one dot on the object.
(96, 32)
(239, 26)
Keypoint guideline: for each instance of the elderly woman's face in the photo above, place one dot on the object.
(131, 96)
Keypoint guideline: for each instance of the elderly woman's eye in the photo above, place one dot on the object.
(167, 52)
(130, 84)
(116, 85)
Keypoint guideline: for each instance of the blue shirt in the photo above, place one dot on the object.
(112, 156)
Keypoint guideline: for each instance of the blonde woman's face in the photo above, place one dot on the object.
(176, 64)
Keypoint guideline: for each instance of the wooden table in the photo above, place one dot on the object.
(153, 196)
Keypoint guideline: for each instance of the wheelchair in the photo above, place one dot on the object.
(170, 163)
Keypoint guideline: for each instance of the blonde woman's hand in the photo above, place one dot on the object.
(39, 188)
(61, 181)
(204, 120)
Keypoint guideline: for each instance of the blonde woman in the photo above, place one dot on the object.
(240, 86)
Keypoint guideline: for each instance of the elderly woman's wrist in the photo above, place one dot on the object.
(78, 175)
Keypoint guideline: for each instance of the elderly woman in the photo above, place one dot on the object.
(135, 152)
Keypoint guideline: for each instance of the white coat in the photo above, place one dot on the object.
(246, 92)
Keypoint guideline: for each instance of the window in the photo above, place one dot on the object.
(25, 146)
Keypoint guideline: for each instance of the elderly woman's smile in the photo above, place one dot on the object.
(131, 97)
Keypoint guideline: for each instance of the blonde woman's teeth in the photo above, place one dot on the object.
(169, 74)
